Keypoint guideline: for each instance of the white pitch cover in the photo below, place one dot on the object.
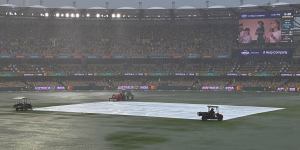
(155, 109)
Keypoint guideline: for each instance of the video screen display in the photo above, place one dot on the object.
(262, 28)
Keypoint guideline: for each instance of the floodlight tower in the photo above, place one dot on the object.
(24, 3)
(140, 5)
(241, 2)
(41, 2)
(207, 3)
(74, 4)
(173, 4)
(141, 11)
(107, 5)
(7, 1)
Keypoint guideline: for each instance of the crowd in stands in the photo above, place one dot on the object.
(261, 83)
(274, 68)
(5, 84)
(86, 83)
(43, 83)
(120, 39)
(23, 37)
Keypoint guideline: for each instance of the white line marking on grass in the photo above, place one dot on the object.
(155, 109)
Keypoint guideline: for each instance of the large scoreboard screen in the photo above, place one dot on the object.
(266, 27)
(287, 23)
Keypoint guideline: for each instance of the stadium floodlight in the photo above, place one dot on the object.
(57, 15)
(88, 15)
(113, 15)
(67, 15)
(46, 14)
(77, 15)
(118, 15)
(97, 15)
(72, 15)
(62, 15)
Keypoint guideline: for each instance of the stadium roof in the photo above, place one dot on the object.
(67, 7)
(217, 6)
(126, 8)
(248, 5)
(183, 12)
(96, 8)
(156, 8)
(8, 5)
(161, 7)
(37, 6)
(186, 7)
(280, 3)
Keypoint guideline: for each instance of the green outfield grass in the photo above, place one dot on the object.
(278, 130)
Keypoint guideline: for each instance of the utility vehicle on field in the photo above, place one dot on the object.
(22, 104)
(122, 96)
(211, 114)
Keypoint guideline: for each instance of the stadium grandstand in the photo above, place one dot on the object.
(216, 48)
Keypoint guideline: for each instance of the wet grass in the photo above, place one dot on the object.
(55, 130)
(133, 140)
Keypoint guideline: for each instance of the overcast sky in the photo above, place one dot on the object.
(134, 3)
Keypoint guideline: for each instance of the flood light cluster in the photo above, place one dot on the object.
(71, 15)
(88, 15)
(67, 15)
(22, 14)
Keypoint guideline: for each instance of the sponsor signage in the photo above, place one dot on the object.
(269, 52)
(5, 56)
(211, 88)
(32, 74)
(280, 89)
(42, 88)
(128, 87)
(261, 15)
(292, 89)
(229, 88)
(47, 88)
(134, 74)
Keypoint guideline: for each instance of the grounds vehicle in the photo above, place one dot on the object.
(211, 114)
(122, 96)
(22, 104)
(129, 95)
